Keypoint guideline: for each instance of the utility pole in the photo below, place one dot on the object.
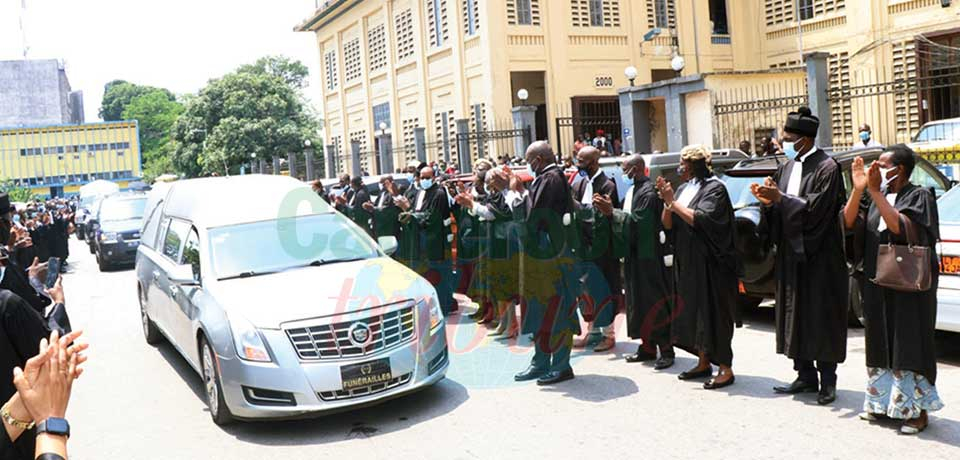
(23, 29)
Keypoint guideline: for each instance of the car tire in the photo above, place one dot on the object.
(150, 331)
(102, 264)
(855, 317)
(93, 249)
(80, 233)
(213, 390)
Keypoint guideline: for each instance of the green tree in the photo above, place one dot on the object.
(117, 96)
(156, 115)
(257, 109)
(17, 193)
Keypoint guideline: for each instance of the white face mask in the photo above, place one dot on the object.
(886, 181)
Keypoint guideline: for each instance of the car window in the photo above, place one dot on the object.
(949, 207)
(191, 253)
(739, 190)
(151, 226)
(173, 239)
(939, 132)
(923, 177)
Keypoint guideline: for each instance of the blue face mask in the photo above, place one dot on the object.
(531, 171)
(864, 136)
(409, 177)
(426, 183)
(627, 180)
(16, 218)
(790, 150)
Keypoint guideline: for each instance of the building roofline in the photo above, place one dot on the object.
(325, 14)
(70, 125)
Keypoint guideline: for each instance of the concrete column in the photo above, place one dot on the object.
(420, 138)
(330, 161)
(276, 165)
(635, 121)
(446, 137)
(386, 154)
(292, 161)
(524, 117)
(463, 145)
(676, 122)
(817, 85)
(261, 165)
(308, 162)
(478, 116)
(355, 155)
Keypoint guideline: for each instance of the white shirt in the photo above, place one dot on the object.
(628, 201)
(515, 198)
(381, 198)
(690, 191)
(859, 145)
(892, 199)
(420, 196)
(3, 270)
(796, 173)
(587, 199)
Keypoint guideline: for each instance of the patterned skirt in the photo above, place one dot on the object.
(899, 394)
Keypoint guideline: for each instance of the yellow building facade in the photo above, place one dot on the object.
(58, 160)
(428, 63)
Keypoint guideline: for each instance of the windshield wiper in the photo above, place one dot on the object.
(320, 262)
(248, 274)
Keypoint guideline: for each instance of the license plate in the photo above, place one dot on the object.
(950, 265)
(366, 374)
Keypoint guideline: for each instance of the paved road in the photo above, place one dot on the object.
(142, 402)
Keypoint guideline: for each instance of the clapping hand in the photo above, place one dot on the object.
(368, 206)
(858, 174)
(45, 383)
(603, 203)
(665, 191)
(341, 200)
(768, 193)
(37, 270)
(464, 199)
(402, 202)
(874, 178)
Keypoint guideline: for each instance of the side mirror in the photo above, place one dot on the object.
(388, 244)
(182, 275)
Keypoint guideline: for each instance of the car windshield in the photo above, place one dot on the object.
(939, 132)
(276, 245)
(949, 207)
(114, 210)
(739, 190)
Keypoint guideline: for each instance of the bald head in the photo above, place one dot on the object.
(635, 166)
(540, 154)
(589, 154)
(426, 173)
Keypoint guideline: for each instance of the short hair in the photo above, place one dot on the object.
(903, 156)
(357, 180)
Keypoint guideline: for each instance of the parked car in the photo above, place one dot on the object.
(948, 293)
(758, 256)
(117, 234)
(940, 139)
(255, 311)
(91, 225)
(90, 196)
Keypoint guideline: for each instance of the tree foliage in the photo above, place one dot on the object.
(16, 193)
(156, 115)
(118, 94)
(258, 109)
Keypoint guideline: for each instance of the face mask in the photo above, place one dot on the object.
(16, 218)
(790, 150)
(409, 177)
(885, 181)
(531, 171)
(681, 170)
(426, 183)
(864, 136)
(627, 180)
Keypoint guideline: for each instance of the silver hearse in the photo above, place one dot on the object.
(283, 306)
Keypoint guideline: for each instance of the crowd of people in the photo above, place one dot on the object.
(40, 356)
(541, 258)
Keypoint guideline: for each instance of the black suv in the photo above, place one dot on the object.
(117, 229)
(758, 256)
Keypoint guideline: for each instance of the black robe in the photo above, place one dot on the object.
(57, 238)
(637, 230)
(901, 326)
(354, 210)
(15, 279)
(385, 215)
(812, 277)
(706, 270)
(549, 286)
(594, 246)
(472, 240)
(427, 230)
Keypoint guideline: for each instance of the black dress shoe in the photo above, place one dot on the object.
(695, 374)
(555, 377)
(713, 385)
(531, 373)
(641, 356)
(827, 395)
(663, 363)
(798, 386)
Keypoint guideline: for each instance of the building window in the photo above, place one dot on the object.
(381, 114)
(360, 137)
(778, 11)
(410, 140)
(437, 21)
(404, 26)
(523, 12)
(805, 9)
(662, 14)
(377, 47)
(595, 13)
(471, 14)
(330, 62)
(351, 60)
(718, 17)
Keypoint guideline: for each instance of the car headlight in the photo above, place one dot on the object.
(248, 341)
(436, 315)
(108, 236)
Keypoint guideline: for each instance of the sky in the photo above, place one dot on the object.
(173, 44)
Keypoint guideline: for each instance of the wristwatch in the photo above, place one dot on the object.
(55, 426)
(5, 414)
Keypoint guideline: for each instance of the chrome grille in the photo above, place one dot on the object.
(332, 341)
(364, 391)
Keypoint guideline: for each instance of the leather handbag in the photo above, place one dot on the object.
(904, 268)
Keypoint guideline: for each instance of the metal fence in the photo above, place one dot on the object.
(751, 113)
(573, 128)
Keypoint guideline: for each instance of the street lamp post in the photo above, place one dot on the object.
(308, 159)
(631, 74)
(385, 163)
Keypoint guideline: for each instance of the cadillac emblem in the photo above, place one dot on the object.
(359, 334)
